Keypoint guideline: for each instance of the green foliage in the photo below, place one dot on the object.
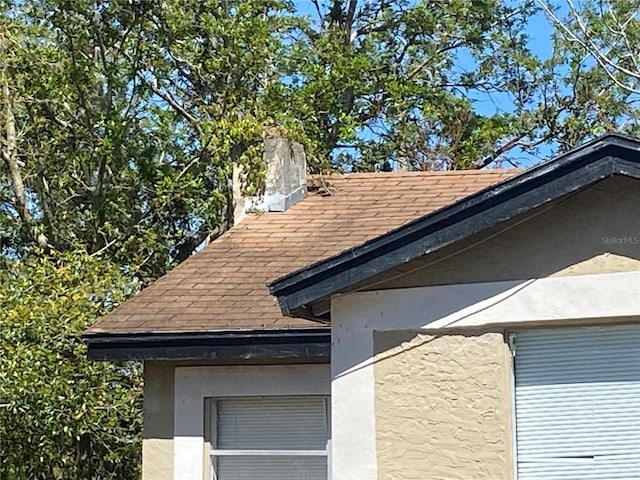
(594, 75)
(121, 122)
(132, 115)
(62, 416)
(382, 81)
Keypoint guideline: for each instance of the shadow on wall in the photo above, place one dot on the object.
(596, 230)
(592, 231)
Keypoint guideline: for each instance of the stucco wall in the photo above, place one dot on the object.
(594, 231)
(162, 429)
(410, 406)
(442, 406)
(370, 366)
(157, 430)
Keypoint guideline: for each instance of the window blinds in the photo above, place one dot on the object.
(270, 438)
(578, 403)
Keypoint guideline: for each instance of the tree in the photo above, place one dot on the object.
(394, 81)
(62, 416)
(593, 78)
(129, 117)
(607, 31)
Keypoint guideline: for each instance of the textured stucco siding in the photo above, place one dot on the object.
(594, 231)
(169, 387)
(442, 406)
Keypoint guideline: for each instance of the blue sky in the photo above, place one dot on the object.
(539, 32)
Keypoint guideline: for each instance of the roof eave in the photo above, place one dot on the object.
(602, 158)
(309, 345)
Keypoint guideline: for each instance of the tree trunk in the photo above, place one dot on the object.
(10, 157)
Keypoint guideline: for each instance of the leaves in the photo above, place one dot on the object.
(385, 81)
(596, 52)
(121, 122)
(62, 416)
(131, 117)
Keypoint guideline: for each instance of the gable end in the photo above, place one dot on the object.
(602, 158)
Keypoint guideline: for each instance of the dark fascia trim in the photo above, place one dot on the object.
(601, 158)
(230, 346)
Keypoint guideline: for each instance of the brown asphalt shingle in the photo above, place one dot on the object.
(223, 287)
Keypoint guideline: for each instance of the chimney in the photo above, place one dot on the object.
(285, 181)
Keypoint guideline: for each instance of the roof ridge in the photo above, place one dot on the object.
(426, 173)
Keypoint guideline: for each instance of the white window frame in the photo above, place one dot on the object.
(193, 385)
(216, 452)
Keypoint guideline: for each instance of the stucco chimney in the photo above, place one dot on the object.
(285, 181)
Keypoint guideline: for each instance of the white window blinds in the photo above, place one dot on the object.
(578, 403)
(270, 438)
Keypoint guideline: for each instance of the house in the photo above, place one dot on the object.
(428, 325)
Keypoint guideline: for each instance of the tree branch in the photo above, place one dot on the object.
(510, 145)
(349, 19)
(10, 157)
(176, 106)
(602, 59)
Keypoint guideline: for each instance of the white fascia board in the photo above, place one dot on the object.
(500, 303)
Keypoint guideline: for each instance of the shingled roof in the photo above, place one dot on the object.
(224, 286)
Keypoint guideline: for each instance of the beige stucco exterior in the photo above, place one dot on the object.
(161, 429)
(442, 406)
(443, 403)
(593, 231)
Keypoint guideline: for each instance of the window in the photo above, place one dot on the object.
(577, 402)
(270, 438)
